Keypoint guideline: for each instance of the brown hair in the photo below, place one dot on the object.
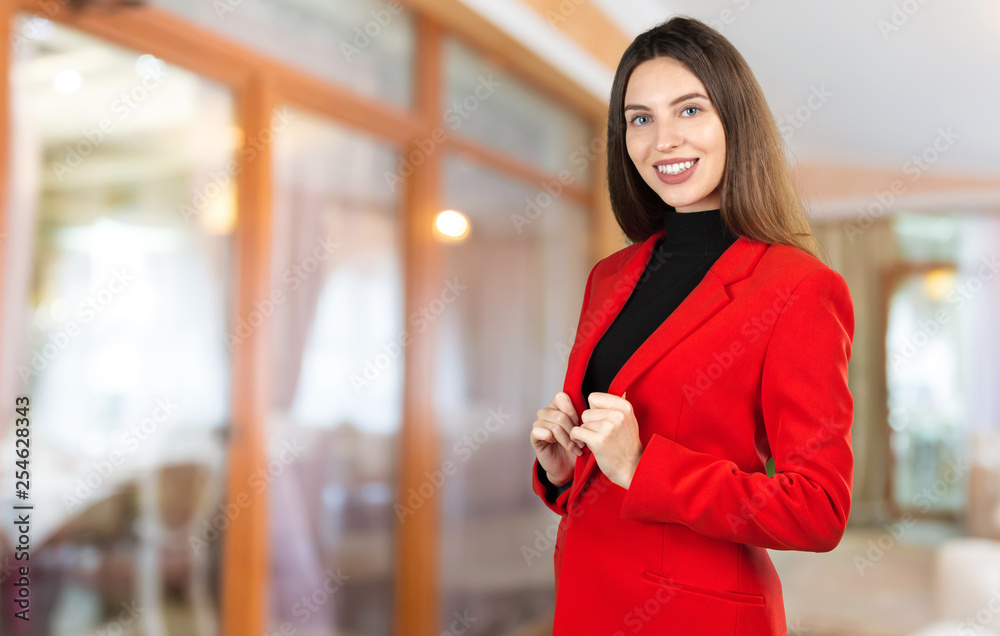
(758, 199)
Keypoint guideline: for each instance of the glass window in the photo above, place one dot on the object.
(923, 371)
(488, 105)
(118, 266)
(337, 374)
(503, 344)
(941, 356)
(365, 45)
(926, 237)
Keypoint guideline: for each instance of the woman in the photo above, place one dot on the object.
(731, 340)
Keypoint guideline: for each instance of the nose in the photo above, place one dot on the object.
(668, 136)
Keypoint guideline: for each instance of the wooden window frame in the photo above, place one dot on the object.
(260, 83)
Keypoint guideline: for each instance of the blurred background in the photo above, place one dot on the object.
(285, 282)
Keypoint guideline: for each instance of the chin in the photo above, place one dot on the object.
(676, 202)
(683, 203)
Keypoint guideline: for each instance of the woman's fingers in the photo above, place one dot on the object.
(563, 402)
(541, 433)
(560, 424)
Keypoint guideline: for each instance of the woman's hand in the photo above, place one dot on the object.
(611, 432)
(550, 439)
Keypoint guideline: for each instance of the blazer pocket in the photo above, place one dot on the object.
(736, 597)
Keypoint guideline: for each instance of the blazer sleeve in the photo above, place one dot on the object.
(807, 411)
(556, 497)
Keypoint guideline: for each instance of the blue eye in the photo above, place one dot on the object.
(636, 117)
(692, 108)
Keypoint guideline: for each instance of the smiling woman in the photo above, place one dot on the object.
(670, 123)
(665, 496)
(690, 97)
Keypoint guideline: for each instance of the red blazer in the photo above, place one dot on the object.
(751, 365)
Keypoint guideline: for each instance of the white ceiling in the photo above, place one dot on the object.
(890, 93)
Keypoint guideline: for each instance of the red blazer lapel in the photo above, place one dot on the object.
(607, 298)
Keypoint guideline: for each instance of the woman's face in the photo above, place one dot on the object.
(670, 122)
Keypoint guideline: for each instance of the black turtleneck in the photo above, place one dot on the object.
(680, 259)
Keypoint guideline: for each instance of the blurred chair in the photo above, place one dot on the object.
(175, 502)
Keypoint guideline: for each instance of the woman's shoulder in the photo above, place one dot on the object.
(792, 264)
(800, 273)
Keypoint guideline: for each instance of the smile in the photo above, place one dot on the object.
(675, 173)
(675, 168)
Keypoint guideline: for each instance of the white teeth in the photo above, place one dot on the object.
(675, 168)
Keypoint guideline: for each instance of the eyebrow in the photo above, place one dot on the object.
(673, 103)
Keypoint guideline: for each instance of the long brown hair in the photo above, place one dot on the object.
(758, 199)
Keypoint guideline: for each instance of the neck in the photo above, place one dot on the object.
(701, 232)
